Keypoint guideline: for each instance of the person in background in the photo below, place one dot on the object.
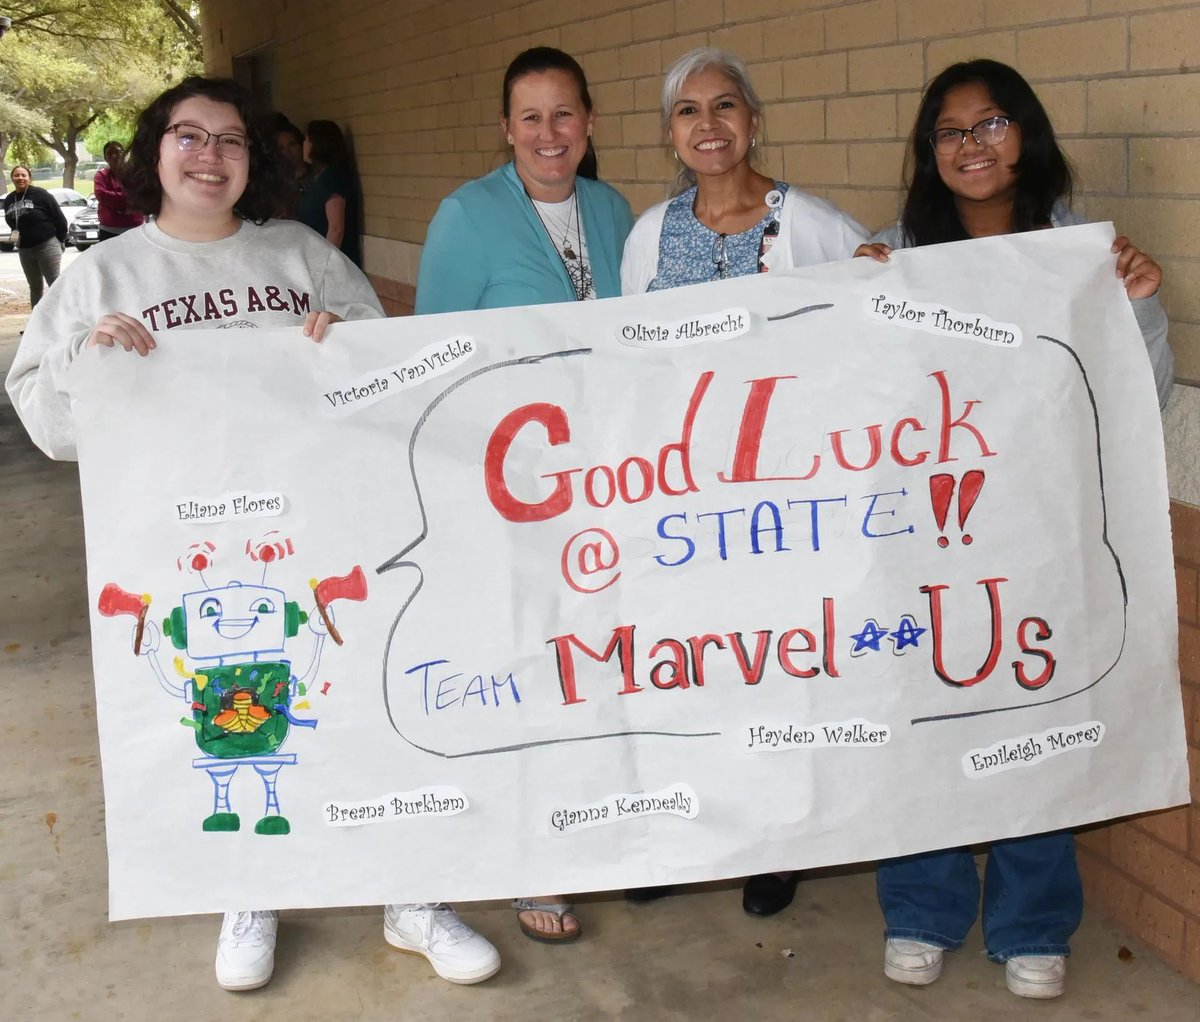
(727, 219)
(115, 215)
(204, 164)
(983, 160)
(329, 204)
(290, 141)
(39, 231)
(538, 230)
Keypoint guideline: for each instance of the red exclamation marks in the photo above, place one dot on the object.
(941, 491)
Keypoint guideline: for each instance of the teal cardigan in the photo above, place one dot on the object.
(487, 249)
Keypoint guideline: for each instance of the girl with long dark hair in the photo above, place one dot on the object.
(983, 160)
(329, 204)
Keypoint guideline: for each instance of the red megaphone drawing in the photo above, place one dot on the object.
(114, 600)
(339, 587)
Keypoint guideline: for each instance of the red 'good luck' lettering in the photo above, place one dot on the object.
(636, 478)
(754, 420)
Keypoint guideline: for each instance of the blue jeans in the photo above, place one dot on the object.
(1032, 896)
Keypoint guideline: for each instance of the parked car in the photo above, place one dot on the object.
(84, 231)
(69, 201)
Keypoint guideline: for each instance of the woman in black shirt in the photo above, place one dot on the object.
(40, 230)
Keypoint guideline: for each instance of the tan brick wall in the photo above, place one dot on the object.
(417, 84)
(1145, 871)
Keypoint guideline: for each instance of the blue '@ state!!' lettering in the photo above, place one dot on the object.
(446, 689)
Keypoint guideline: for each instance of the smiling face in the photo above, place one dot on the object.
(548, 127)
(977, 173)
(234, 621)
(20, 179)
(711, 124)
(201, 186)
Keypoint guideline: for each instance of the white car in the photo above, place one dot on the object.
(69, 201)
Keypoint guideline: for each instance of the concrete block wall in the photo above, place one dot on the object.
(417, 85)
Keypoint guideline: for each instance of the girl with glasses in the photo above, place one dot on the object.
(983, 160)
(205, 166)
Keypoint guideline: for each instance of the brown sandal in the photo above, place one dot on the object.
(561, 909)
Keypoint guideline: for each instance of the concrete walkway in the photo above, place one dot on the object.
(691, 957)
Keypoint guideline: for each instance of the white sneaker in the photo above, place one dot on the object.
(912, 961)
(246, 950)
(456, 952)
(1036, 975)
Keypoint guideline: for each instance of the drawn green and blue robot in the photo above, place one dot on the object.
(241, 688)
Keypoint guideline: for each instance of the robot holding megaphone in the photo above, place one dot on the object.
(242, 693)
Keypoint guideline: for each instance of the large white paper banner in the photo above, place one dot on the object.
(779, 572)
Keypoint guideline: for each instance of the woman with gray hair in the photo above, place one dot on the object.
(726, 219)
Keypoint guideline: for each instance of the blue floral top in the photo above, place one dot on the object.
(690, 253)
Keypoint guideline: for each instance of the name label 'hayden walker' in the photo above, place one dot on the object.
(857, 733)
(435, 800)
(428, 363)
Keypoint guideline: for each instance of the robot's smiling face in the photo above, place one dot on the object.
(234, 620)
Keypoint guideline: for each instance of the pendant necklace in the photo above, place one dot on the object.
(578, 274)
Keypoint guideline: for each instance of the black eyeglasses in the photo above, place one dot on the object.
(192, 139)
(989, 131)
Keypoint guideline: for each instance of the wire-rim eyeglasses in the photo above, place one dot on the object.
(193, 139)
(989, 131)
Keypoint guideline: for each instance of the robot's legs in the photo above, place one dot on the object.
(222, 818)
(272, 822)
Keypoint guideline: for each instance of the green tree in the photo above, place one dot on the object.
(66, 64)
(110, 126)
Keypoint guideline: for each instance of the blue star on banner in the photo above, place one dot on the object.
(908, 634)
(869, 638)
